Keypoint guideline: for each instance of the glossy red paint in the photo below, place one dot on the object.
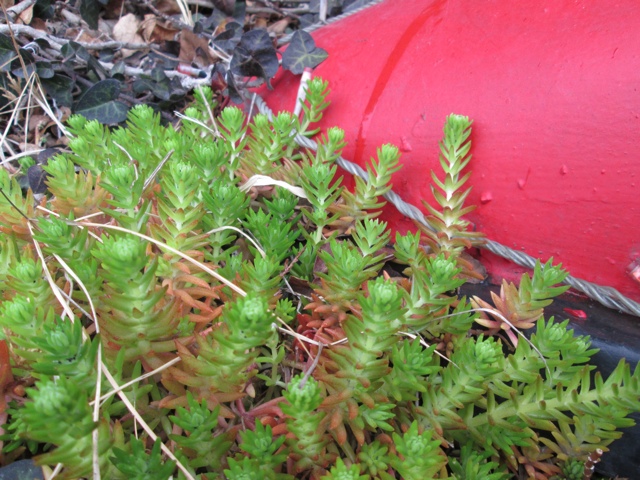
(579, 314)
(552, 88)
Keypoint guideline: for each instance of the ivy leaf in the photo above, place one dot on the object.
(302, 53)
(233, 91)
(169, 91)
(59, 88)
(99, 103)
(90, 10)
(255, 56)
(44, 70)
(43, 9)
(72, 49)
(7, 53)
(229, 39)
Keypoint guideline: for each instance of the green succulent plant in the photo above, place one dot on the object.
(162, 317)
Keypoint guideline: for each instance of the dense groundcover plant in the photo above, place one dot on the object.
(257, 322)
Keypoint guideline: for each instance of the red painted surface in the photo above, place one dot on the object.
(553, 89)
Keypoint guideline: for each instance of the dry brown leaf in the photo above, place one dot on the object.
(126, 31)
(260, 22)
(39, 24)
(168, 7)
(38, 126)
(113, 9)
(280, 26)
(7, 3)
(154, 30)
(194, 49)
(80, 35)
(25, 16)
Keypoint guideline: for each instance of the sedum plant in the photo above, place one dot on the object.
(165, 313)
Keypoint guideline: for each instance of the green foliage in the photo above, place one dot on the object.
(58, 413)
(263, 461)
(202, 446)
(308, 441)
(139, 465)
(451, 230)
(63, 351)
(317, 93)
(473, 465)
(266, 332)
(13, 207)
(377, 183)
(419, 454)
(22, 320)
(321, 191)
(341, 472)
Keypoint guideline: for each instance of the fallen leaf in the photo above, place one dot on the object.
(194, 49)
(474, 271)
(112, 10)
(38, 24)
(280, 26)
(154, 30)
(168, 7)
(25, 16)
(261, 22)
(126, 31)
(80, 35)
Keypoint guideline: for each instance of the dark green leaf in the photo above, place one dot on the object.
(229, 39)
(109, 113)
(101, 92)
(118, 69)
(59, 88)
(28, 62)
(44, 70)
(42, 43)
(89, 11)
(43, 9)
(302, 53)
(158, 75)
(99, 103)
(71, 49)
(7, 52)
(168, 91)
(255, 56)
(234, 93)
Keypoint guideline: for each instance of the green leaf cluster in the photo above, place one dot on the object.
(270, 329)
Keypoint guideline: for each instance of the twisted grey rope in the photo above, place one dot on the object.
(607, 296)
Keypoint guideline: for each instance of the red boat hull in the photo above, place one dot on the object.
(552, 88)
